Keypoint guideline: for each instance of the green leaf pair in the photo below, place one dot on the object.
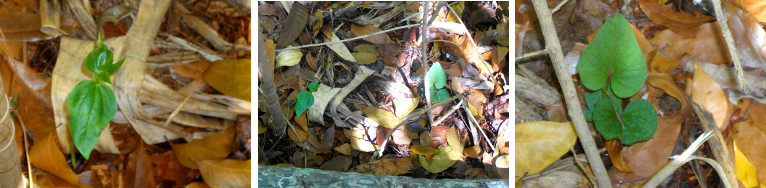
(92, 104)
(306, 99)
(437, 79)
(613, 64)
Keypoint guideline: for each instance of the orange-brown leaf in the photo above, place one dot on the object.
(230, 77)
(706, 92)
(645, 158)
(213, 147)
(46, 156)
(614, 148)
(369, 29)
(293, 26)
(682, 23)
(226, 173)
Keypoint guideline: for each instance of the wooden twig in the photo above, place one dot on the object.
(686, 156)
(559, 6)
(717, 143)
(468, 34)
(579, 165)
(412, 115)
(721, 19)
(453, 109)
(424, 60)
(553, 44)
(531, 55)
(475, 123)
(351, 39)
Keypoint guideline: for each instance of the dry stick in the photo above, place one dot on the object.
(424, 60)
(476, 126)
(570, 95)
(577, 162)
(531, 55)
(468, 34)
(454, 108)
(721, 17)
(415, 114)
(352, 39)
(717, 143)
(686, 156)
(559, 6)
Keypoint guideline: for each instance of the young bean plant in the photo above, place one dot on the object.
(614, 67)
(91, 103)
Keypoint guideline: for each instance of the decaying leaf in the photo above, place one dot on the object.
(390, 166)
(369, 29)
(289, 57)
(230, 77)
(706, 92)
(213, 147)
(682, 23)
(539, 144)
(46, 155)
(225, 173)
(139, 169)
(345, 149)
(293, 26)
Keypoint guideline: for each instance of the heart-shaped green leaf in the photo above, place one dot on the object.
(640, 121)
(305, 100)
(91, 106)
(313, 86)
(605, 118)
(614, 51)
(590, 101)
(436, 76)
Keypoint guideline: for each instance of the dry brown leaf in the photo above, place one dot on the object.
(645, 158)
(390, 166)
(193, 70)
(139, 171)
(338, 48)
(293, 26)
(45, 180)
(26, 26)
(665, 82)
(35, 93)
(472, 152)
(339, 163)
(168, 168)
(225, 173)
(706, 92)
(369, 29)
(230, 77)
(345, 149)
(213, 147)
(750, 138)
(682, 23)
(756, 113)
(46, 155)
(661, 63)
(476, 99)
(365, 58)
(757, 8)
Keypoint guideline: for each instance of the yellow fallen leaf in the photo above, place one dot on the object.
(213, 147)
(358, 140)
(365, 48)
(423, 150)
(225, 173)
(289, 57)
(708, 94)
(458, 7)
(365, 58)
(744, 169)
(455, 140)
(441, 161)
(540, 143)
(231, 77)
(404, 106)
(380, 116)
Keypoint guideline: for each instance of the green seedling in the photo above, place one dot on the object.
(305, 98)
(91, 103)
(614, 67)
(436, 81)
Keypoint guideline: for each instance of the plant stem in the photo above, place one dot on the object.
(614, 106)
(570, 94)
(721, 17)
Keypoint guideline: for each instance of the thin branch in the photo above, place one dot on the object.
(721, 17)
(559, 6)
(412, 115)
(531, 55)
(424, 60)
(468, 34)
(570, 95)
(475, 123)
(351, 39)
(454, 108)
(582, 167)
(679, 160)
